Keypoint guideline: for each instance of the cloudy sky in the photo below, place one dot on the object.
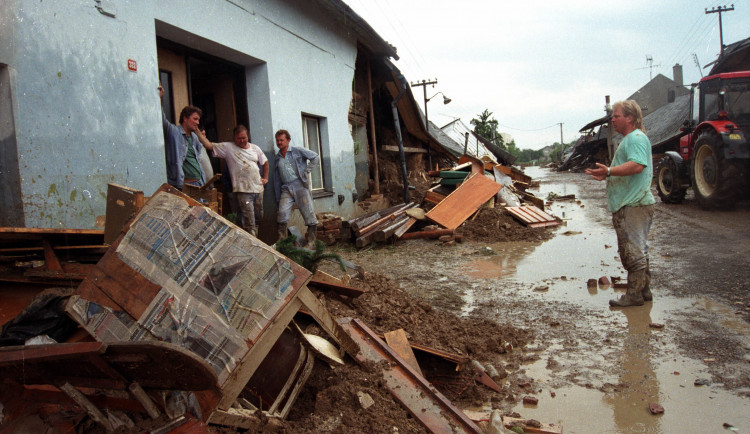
(535, 64)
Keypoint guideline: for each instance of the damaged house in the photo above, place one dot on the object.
(658, 98)
(80, 107)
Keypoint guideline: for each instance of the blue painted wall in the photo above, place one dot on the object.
(80, 119)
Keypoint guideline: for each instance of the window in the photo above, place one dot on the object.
(311, 136)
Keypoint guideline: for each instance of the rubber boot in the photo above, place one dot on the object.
(634, 296)
(312, 233)
(253, 231)
(282, 231)
(646, 292)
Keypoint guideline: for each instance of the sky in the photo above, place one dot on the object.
(536, 64)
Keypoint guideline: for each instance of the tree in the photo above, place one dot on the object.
(486, 126)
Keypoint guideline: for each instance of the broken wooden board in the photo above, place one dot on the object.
(477, 165)
(464, 201)
(398, 341)
(122, 204)
(411, 389)
(532, 216)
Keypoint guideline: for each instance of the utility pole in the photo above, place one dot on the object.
(719, 10)
(610, 134)
(562, 144)
(424, 84)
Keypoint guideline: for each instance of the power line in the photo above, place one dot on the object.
(529, 131)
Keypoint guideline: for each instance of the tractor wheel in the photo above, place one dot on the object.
(669, 183)
(716, 181)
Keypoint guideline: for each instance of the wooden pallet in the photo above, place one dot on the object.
(532, 216)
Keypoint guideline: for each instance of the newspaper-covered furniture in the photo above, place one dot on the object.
(181, 273)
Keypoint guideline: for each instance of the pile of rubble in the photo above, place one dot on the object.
(180, 321)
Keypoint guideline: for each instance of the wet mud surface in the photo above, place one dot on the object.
(592, 368)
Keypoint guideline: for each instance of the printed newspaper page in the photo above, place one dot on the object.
(220, 286)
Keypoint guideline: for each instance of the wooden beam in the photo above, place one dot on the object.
(407, 149)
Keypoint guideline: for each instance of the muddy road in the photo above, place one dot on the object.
(593, 368)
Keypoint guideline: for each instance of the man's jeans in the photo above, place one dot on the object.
(632, 224)
(292, 193)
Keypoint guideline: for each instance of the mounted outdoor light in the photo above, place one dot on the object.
(446, 100)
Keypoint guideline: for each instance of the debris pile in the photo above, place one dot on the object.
(183, 322)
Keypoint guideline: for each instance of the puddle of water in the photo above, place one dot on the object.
(645, 362)
(688, 408)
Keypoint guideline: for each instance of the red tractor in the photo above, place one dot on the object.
(714, 155)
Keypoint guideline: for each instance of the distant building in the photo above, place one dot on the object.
(660, 91)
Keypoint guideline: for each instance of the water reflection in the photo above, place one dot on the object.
(638, 383)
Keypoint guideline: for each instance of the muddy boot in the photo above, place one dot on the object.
(282, 231)
(312, 233)
(634, 296)
(253, 231)
(646, 292)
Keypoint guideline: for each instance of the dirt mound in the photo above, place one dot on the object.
(497, 225)
(332, 398)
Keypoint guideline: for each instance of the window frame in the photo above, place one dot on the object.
(319, 170)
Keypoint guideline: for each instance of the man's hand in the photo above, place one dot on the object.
(599, 173)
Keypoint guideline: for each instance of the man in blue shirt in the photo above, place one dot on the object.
(182, 148)
(291, 183)
(630, 200)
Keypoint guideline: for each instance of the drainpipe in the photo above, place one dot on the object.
(397, 123)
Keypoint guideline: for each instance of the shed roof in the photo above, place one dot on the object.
(736, 57)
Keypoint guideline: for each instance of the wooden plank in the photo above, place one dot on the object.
(122, 204)
(412, 390)
(405, 227)
(532, 216)
(338, 288)
(383, 234)
(407, 149)
(246, 367)
(434, 197)
(398, 341)
(464, 201)
(427, 234)
(477, 165)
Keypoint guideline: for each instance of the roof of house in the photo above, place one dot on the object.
(478, 146)
(736, 57)
(366, 35)
(664, 123)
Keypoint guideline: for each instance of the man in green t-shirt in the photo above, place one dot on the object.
(630, 200)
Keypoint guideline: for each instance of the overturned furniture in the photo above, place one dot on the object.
(180, 273)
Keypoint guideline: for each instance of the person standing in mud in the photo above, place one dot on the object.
(181, 147)
(245, 162)
(630, 200)
(291, 183)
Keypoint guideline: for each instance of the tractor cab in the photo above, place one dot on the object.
(714, 154)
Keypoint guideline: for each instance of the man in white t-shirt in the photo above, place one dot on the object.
(245, 162)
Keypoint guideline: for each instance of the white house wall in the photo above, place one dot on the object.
(81, 119)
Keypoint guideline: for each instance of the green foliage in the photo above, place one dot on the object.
(307, 258)
(486, 126)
